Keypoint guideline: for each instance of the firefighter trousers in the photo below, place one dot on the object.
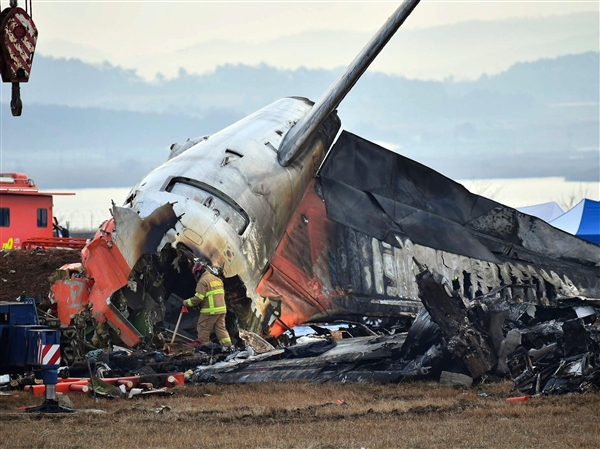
(208, 322)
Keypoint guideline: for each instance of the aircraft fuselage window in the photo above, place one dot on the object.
(221, 207)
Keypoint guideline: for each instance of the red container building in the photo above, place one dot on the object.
(25, 212)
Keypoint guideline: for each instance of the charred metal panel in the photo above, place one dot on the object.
(449, 312)
(363, 359)
(380, 193)
(477, 242)
(323, 270)
(351, 248)
(533, 238)
(136, 236)
(300, 271)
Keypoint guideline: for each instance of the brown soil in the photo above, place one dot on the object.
(27, 271)
(301, 415)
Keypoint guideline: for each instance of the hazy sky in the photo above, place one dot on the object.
(145, 35)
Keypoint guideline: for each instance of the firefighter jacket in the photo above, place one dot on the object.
(210, 295)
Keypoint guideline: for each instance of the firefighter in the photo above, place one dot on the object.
(210, 297)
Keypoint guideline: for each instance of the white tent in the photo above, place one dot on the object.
(545, 211)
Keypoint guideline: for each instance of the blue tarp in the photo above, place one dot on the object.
(583, 221)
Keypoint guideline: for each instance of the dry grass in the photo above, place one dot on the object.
(298, 415)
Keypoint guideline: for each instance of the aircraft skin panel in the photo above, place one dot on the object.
(297, 276)
(322, 270)
(408, 198)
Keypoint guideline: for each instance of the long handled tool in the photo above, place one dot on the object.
(87, 359)
(179, 335)
(183, 310)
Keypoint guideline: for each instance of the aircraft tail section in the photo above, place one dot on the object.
(373, 219)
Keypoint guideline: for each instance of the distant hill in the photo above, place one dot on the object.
(106, 126)
(70, 82)
(464, 50)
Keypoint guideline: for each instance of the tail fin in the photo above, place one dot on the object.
(301, 134)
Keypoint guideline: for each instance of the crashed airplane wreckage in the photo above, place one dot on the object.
(301, 230)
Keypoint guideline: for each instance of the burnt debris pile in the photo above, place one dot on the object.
(546, 348)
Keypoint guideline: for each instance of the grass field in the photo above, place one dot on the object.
(300, 415)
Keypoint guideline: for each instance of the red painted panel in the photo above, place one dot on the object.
(71, 295)
(105, 264)
(54, 242)
(299, 271)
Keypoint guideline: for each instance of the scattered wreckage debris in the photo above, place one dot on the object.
(121, 373)
(361, 359)
(549, 349)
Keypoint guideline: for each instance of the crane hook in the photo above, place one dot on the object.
(16, 105)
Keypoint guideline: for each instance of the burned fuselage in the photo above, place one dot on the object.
(300, 232)
(232, 198)
(373, 218)
(223, 198)
(367, 225)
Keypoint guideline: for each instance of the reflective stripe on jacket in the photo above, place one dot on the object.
(210, 295)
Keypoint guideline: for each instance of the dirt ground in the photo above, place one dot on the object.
(27, 271)
(301, 415)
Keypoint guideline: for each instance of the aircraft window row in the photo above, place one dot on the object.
(211, 199)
